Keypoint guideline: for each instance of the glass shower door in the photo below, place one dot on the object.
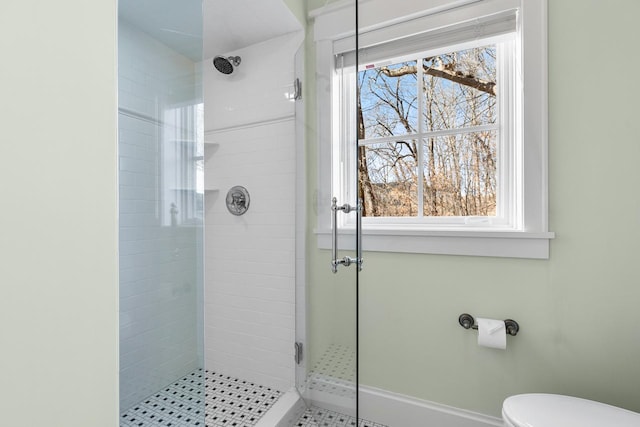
(161, 212)
(330, 364)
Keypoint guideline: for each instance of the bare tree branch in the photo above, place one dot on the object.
(445, 72)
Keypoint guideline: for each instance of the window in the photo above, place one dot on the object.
(429, 144)
(452, 139)
(182, 165)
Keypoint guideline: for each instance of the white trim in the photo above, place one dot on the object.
(397, 410)
(470, 243)
(324, 119)
(535, 115)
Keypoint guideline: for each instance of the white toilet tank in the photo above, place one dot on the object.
(553, 410)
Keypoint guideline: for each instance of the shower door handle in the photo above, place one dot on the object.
(359, 234)
(346, 261)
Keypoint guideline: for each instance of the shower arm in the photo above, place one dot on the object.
(347, 260)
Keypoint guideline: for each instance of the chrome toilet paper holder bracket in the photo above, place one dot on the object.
(468, 322)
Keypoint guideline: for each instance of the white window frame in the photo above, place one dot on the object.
(526, 235)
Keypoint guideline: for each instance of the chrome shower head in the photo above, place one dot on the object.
(225, 65)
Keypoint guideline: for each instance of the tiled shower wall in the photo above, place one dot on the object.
(250, 259)
(158, 275)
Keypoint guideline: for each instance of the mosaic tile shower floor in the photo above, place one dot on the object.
(226, 402)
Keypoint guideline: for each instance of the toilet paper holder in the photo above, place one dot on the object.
(468, 322)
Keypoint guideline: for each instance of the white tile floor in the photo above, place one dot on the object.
(223, 401)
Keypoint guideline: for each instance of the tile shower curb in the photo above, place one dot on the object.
(284, 412)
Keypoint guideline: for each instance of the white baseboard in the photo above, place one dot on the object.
(334, 394)
(397, 410)
(379, 406)
(341, 404)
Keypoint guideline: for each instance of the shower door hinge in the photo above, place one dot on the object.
(297, 89)
(298, 353)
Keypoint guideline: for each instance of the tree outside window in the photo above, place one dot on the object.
(428, 131)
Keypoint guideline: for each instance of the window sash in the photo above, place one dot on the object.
(508, 187)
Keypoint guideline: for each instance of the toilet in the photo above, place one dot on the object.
(553, 410)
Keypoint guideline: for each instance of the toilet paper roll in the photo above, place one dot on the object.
(492, 333)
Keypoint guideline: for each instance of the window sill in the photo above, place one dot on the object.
(504, 244)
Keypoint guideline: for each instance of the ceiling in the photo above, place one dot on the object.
(227, 25)
(233, 24)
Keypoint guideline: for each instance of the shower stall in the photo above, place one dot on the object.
(217, 324)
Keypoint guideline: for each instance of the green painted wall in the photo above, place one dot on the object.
(58, 245)
(577, 310)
